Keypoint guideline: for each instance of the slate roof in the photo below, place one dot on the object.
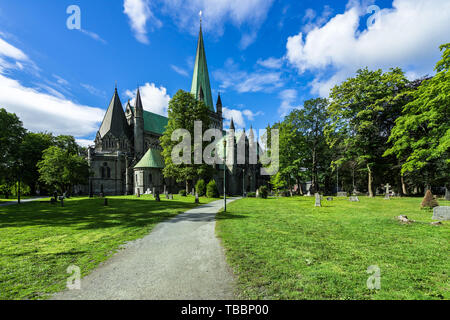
(152, 159)
(114, 120)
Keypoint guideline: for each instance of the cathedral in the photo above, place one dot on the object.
(126, 158)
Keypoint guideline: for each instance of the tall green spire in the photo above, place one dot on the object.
(201, 87)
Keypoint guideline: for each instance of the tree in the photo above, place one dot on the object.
(31, 150)
(62, 170)
(363, 111)
(11, 136)
(184, 110)
(211, 190)
(200, 187)
(421, 136)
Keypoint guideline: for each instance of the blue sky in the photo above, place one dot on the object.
(266, 57)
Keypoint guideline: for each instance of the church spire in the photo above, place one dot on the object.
(139, 109)
(200, 79)
(232, 125)
(114, 121)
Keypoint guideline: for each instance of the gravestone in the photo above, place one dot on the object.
(330, 199)
(342, 194)
(257, 193)
(197, 200)
(157, 198)
(318, 203)
(309, 194)
(167, 194)
(447, 194)
(154, 191)
(354, 199)
(441, 213)
(193, 192)
(170, 196)
(165, 189)
(387, 196)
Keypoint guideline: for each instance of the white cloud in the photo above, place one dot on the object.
(247, 15)
(139, 13)
(239, 117)
(45, 112)
(242, 81)
(154, 99)
(408, 36)
(9, 51)
(271, 63)
(288, 98)
(180, 71)
(85, 142)
(93, 90)
(60, 80)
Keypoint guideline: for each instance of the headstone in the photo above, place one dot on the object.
(165, 189)
(354, 199)
(154, 191)
(157, 198)
(387, 196)
(170, 196)
(308, 194)
(193, 192)
(167, 195)
(318, 203)
(447, 194)
(441, 213)
(330, 199)
(257, 193)
(342, 194)
(197, 200)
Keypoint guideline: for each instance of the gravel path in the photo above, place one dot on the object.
(180, 259)
(14, 202)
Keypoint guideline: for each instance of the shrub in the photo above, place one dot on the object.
(263, 192)
(183, 193)
(200, 187)
(251, 194)
(211, 190)
(429, 201)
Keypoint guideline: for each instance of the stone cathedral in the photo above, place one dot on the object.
(126, 158)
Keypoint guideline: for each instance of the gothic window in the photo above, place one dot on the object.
(150, 179)
(102, 172)
(105, 171)
(108, 172)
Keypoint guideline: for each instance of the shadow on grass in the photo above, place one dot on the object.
(92, 214)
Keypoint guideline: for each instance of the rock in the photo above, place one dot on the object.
(436, 223)
(354, 199)
(404, 219)
(441, 213)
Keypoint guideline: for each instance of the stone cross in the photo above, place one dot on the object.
(387, 186)
(318, 203)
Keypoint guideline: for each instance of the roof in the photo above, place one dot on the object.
(152, 159)
(114, 120)
(201, 85)
(154, 123)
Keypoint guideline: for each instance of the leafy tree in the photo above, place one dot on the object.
(421, 136)
(62, 170)
(200, 187)
(211, 190)
(32, 149)
(363, 111)
(184, 110)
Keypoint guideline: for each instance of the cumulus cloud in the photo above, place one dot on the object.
(239, 116)
(154, 99)
(247, 15)
(408, 35)
(288, 98)
(48, 112)
(43, 108)
(242, 81)
(139, 14)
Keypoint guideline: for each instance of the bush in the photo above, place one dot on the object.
(251, 195)
(263, 192)
(200, 187)
(211, 190)
(183, 193)
(429, 201)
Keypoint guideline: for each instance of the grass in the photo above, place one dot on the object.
(39, 241)
(287, 249)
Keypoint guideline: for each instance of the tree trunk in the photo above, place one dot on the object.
(404, 190)
(369, 183)
(187, 187)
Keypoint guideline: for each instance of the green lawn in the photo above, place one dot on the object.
(39, 241)
(287, 249)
